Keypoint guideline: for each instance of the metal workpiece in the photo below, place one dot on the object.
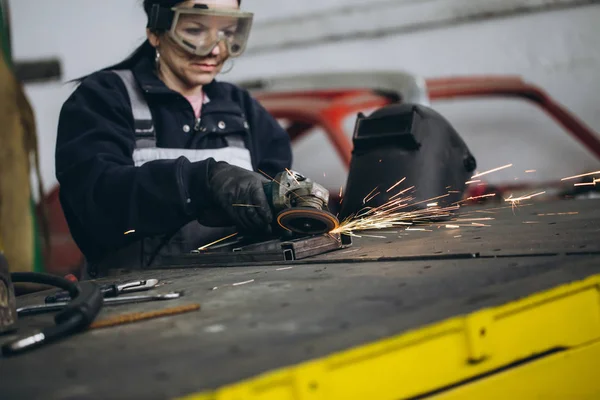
(267, 252)
(305, 248)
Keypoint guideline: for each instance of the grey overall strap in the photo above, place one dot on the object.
(235, 141)
(146, 149)
(145, 135)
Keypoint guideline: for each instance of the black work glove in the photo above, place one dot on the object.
(239, 195)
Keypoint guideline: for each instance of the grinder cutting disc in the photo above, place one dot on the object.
(307, 220)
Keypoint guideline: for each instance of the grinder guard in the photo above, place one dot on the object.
(406, 141)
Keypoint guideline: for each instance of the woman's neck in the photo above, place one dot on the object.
(176, 84)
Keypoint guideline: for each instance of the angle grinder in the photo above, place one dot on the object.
(300, 205)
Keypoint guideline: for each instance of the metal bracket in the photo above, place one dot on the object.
(479, 336)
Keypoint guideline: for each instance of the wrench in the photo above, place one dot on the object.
(43, 308)
(113, 290)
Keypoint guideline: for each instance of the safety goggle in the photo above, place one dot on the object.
(199, 29)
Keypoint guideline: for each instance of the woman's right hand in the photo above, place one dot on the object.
(240, 198)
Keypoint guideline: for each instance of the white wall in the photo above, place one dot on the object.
(85, 35)
(558, 50)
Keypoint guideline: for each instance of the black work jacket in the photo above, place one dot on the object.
(102, 193)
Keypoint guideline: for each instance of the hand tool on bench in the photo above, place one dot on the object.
(43, 308)
(112, 290)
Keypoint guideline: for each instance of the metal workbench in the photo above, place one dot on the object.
(289, 313)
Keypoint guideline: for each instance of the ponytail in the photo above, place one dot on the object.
(145, 50)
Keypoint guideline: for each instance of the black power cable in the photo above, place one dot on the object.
(76, 316)
(46, 279)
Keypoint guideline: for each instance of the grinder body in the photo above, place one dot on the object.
(300, 205)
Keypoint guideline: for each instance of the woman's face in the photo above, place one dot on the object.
(193, 70)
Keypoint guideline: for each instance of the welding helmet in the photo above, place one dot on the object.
(406, 148)
(199, 29)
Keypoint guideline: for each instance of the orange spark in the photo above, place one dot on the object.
(206, 246)
(586, 184)
(370, 193)
(396, 184)
(580, 176)
(491, 170)
(290, 173)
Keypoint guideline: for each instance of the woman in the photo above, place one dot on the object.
(152, 151)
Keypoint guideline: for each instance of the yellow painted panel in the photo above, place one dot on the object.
(409, 368)
(565, 322)
(572, 374)
(438, 355)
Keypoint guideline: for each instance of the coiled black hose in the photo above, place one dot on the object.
(76, 316)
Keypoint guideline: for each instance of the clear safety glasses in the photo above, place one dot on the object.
(199, 30)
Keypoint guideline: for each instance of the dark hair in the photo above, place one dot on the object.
(145, 50)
